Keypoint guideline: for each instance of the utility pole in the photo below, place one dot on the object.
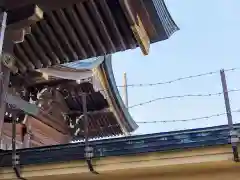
(125, 89)
(233, 133)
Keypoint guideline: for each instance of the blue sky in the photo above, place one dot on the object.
(208, 40)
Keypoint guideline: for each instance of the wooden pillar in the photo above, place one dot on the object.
(4, 71)
(3, 91)
(16, 21)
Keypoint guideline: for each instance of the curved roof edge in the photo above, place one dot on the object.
(161, 19)
(123, 115)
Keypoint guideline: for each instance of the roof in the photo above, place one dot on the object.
(89, 29)
(107, 114)
(177, 140)
(102, 122)
(78, 29)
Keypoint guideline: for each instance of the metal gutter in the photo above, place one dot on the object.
(200, 161)
(123, 146)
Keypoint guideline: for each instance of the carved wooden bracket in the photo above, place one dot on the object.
(136, 24)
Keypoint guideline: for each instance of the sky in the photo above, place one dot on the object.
(208, 40)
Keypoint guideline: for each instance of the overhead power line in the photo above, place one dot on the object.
(165, 82)
(186, 120)
(169, 82)
(181, 96)
(178, 79)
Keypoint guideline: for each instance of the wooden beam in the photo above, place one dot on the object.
(46, 5)
(18, 103)
(34, 111)
(48, 135)
(17, 23)
(136, 24)
(24, 16)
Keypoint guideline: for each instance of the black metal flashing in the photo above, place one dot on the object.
(158, 142)
(162, 20)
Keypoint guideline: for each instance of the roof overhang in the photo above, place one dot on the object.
(82, 29)
(67, 31)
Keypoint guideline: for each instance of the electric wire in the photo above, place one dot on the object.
(181, 96)
(186, 120)
(176, 80)
(164, 82)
